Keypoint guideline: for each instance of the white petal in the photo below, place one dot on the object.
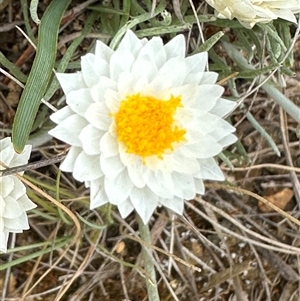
(199, 186)
(7, 155)
(108, 145)
(193, 78)
(189, 94)
(129, 85)
(90, 138)
(17, 224)
(176, 47)
(3, 239)
(125, 84)
(131, 43)
(92, 68)
(183, 116)
(184, 186)
(208, 78)
(25, 202)
(228, 140)
(69, 162)
(196, 62)
(175, 70)
(176, 204)
(287, 15)
(161, 184)
(143, 66)
(165, 165)
(12, 209)
(221, 130)
(23, 157)
(135, 172)
(70, 81)
(97, 115)
(98, 90)
(208, 96)
(127, 158)
(87, 168)
(6, 185)
(155, 50)
(118, 189)
(5, 142)
(185, 164)
(142, 86)
(125, 208)
(144, 202)
(98, 195)
(120, 61)
(20, 159)
(209, 170)
(207, 148)
(19, 189)
(61, 114)
(112, 100)
(69, 130)
(193, 136)
(207, 123)
(79, 101)
(103, 51)
(111, 166)
(223, 107)
(159, 86)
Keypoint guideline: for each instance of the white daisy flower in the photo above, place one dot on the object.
(144, 123)
(250, 12)
(14, 201)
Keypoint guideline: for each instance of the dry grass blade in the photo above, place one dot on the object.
(259, 198)
(272, 244)
(227, 274)
(283, 268)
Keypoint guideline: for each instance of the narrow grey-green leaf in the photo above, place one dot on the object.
(208, 44)
(40, 73)
(33, 11)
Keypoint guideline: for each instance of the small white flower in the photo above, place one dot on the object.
(250, 12)
(13, 198)
(144, 123)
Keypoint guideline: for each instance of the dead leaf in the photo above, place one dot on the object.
(279, 199)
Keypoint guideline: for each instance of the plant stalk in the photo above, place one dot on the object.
(148, 261)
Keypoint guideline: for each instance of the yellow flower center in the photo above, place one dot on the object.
(146, 124)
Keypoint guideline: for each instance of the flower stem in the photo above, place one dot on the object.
(148, 261)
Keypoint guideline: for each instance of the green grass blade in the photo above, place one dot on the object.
(40, 73)
(13, 69)
(57, 244)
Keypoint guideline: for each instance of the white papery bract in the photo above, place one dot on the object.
(14, 201)
(144, 123)
(250, 12)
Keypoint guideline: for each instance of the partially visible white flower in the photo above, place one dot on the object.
(250, 12)
(14, 201)
(144, 124)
